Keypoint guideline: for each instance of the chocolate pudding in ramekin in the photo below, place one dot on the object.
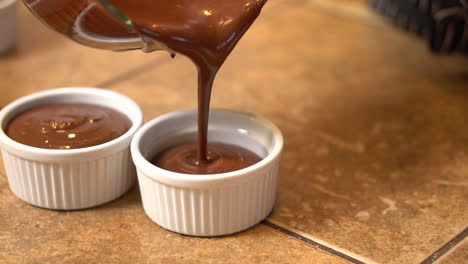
(80, 157)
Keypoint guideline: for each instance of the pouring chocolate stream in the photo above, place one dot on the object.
(206, 31)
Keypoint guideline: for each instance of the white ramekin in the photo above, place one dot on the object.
(208, 205)
(7, 25)
(76, 178)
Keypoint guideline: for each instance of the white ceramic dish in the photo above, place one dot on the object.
(208, 205)
(75, 178)
(7, 25)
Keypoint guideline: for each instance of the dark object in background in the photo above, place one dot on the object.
(443, 23)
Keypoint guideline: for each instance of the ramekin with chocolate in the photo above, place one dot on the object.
(68, 148)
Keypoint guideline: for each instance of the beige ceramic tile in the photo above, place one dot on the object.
(341, 2)
(375, 127)
(357, 10)
(120, 232)
(457, 256)
(45, 60)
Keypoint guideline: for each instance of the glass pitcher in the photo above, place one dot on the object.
(93, 23)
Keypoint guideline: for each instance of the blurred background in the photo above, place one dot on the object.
(420, 33)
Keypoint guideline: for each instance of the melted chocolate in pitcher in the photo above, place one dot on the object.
(205, 31)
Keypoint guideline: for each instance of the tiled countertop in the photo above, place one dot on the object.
(375, 167)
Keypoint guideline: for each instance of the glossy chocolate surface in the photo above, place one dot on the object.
(67, 126)
(221, 158)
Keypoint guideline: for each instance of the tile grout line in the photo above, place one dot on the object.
(161, 60)
(315, 243)
(446, 247)
(450, 251)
